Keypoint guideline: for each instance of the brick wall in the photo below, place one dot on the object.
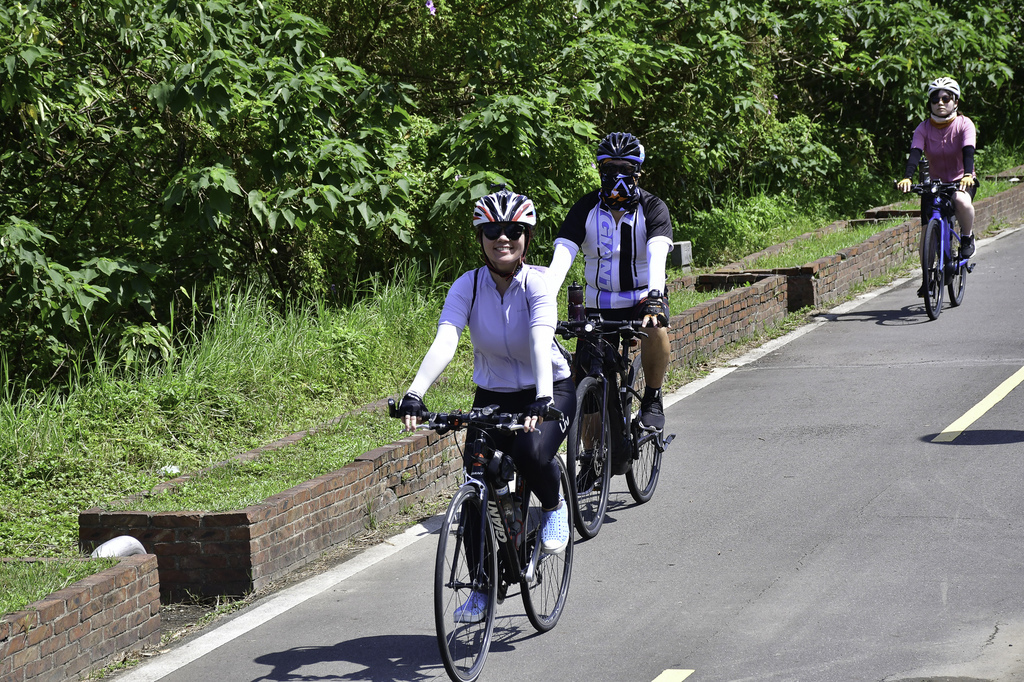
(752, 303)
(231, 553)
(827, 279)
(84, 627)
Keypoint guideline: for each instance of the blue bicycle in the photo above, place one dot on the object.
(941, 263)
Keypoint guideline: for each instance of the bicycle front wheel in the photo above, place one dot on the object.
(466, 569)
(544, 596)
(934, 278)
(588, 458)
(642, 477)
(958, 279)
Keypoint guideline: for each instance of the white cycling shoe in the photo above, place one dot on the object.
(554, 536)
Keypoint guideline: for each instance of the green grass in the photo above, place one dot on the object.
(254, 376)
(241, 484)
(809, 250)
(23, 582)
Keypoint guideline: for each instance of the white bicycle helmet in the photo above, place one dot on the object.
(947, 84)
(505, 206)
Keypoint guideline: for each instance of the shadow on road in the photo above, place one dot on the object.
(408, 658)
(982, 437)
(907, 315)
(385, 658)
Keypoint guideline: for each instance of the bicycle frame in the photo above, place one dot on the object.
(514, 563)
(604, 354)
(942, 210)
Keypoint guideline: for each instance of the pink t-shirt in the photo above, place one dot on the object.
(944, 147)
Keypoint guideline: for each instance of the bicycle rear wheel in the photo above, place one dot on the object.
(934, 278)
(958, 278)
(459, 571)
(588, 458)
(544, 596)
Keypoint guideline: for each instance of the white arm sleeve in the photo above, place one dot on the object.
(657, 252)
(541, 337)
(441, 352)
(561, 261)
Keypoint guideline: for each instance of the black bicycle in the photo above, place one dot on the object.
(490, 540)
(607, 437)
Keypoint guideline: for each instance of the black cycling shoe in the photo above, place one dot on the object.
(652, 414)
(922, 291)
(967, 246)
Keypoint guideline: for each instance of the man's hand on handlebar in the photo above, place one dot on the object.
(655, 310)
(903, 184)
(966, 182)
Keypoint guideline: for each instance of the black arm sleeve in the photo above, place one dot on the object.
(968, 160)
(915, 158)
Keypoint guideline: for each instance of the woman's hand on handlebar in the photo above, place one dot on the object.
(533, 415)
(903, 185)
(411, 411)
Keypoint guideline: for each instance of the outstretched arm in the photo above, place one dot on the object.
(441, 352)
(561, 261)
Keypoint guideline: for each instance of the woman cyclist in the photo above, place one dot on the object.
(947, 139)
(511, 314)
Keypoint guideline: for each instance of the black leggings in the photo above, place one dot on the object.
(534, 452)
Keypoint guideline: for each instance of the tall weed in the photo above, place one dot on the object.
(252, 375)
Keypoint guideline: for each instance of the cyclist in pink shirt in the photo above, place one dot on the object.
(947, 139)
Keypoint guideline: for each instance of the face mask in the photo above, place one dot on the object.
(619, 191)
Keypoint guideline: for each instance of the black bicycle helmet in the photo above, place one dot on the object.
(620, 146)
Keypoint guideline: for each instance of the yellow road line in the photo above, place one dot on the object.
(973, 414)
(673, 676)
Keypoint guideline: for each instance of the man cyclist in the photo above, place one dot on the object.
(511, 313)
(947, 139)
(625, 234)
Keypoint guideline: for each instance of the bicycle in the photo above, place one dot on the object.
(941, 264)
(490, 540)
(607, 431)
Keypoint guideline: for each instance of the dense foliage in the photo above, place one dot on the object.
(149, 151)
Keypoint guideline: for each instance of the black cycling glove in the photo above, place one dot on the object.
(656, 306)
(539, 407)
(412, 405)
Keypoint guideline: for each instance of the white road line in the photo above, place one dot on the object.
(673, 676)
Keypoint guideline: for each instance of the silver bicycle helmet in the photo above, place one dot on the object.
(947, 84)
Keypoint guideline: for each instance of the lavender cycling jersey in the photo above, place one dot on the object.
(616, 262)
(499, 326)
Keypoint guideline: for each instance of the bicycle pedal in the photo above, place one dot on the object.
(970, 267)
(668, 439)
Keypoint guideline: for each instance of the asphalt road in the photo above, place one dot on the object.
(807, 526)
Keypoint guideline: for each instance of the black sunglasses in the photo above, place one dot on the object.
(613, 168)
(945, 99)
(511, 230)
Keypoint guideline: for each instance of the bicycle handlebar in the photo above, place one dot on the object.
(595, 326)
(483, 417)
(935, 187)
